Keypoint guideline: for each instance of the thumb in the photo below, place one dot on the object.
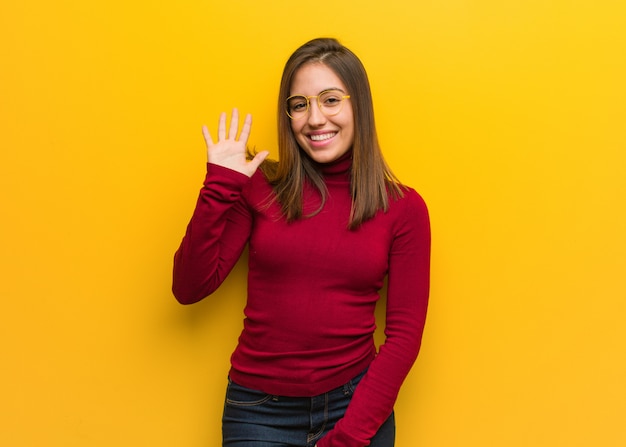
(258, 159)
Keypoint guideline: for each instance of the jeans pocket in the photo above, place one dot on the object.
(239, 396)
(348, 388)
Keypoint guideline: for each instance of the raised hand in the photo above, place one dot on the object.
(230, 151)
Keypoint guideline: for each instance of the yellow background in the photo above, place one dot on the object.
(508, 116)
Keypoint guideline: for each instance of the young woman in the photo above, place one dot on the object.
(325, 225)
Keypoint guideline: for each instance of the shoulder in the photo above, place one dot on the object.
(409, 211)
(410, 201)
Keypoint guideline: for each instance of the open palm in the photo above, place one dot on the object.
(230, 151)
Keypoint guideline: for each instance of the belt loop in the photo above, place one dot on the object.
(348, 388)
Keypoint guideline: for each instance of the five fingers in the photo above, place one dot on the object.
(232, 129)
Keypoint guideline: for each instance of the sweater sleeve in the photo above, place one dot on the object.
(215, 236)
(407, 299)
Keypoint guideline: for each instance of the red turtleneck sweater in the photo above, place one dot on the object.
(312, 290)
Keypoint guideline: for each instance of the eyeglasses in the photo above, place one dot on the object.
(330, 103)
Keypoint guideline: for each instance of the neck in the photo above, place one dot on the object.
(338, 169)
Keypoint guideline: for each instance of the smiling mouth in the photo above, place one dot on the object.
(322, 137)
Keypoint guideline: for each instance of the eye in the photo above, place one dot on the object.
(331, 99)
(297, 104)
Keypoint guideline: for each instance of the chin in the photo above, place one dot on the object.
(324, 157)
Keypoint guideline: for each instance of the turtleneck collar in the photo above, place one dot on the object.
(338, 170)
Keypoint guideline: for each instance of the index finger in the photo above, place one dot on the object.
(245, 130)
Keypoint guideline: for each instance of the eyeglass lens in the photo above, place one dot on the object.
(329, 102)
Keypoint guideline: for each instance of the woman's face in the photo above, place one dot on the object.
(324, 138)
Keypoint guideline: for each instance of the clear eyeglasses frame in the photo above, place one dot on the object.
(329, 101)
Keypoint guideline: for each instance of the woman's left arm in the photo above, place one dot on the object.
(407, 301)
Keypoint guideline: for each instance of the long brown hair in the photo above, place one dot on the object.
(372, 182)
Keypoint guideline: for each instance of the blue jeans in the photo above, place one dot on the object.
(255, 419)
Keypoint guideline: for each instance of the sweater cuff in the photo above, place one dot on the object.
(221, 171)
(223, 184)
(225, 178)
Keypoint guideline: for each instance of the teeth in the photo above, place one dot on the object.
(322, 137)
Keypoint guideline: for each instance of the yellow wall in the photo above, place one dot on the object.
(508, 116)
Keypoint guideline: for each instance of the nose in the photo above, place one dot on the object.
(316, 118)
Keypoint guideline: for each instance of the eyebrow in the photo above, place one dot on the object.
(321, 91)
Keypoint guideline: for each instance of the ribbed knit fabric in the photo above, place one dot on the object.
(312, 290)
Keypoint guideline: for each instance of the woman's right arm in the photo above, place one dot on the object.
(221, 222)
